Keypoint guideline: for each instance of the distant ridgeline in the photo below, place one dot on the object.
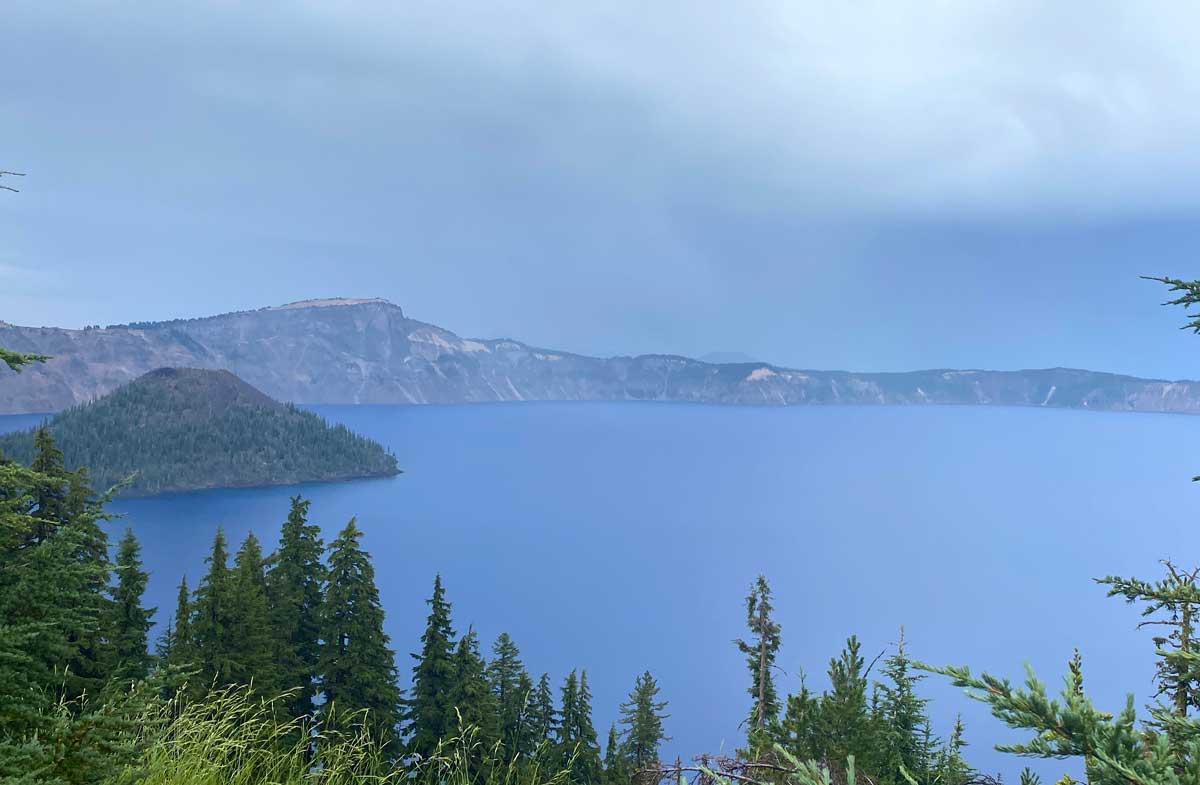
(185, 429)
(342, 350)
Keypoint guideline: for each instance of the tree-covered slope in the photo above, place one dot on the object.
(184, 429)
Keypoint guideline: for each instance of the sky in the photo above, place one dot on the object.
(866, 186)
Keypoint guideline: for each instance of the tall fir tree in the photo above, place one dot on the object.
(213, 643)
(542, 716)
(131, 621)
(802, 726)
(58, 721)
(472, 701)
(578, 744)
(50, 508)
(175, 648)
(527, 740)
(761, 650)
(845, 717)
(569, 703)
(358, 669)
(428, 714)
(252, 661)
(294, 586)
(510, 686)
(65, 506)
(904, 718)
(615, 770)
(642, 716)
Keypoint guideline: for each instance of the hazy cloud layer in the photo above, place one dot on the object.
(777, 178)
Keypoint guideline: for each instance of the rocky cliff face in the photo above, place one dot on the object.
(367, 351)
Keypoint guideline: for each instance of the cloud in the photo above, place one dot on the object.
(894, 108)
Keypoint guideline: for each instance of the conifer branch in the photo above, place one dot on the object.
(10, 174)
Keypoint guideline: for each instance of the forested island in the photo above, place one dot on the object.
(180, 429)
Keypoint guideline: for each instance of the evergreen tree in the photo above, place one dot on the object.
(357, 666)
(471, 700)
(1176, 600)
(429, 716)
(802, 725)
(542, 717)
(577, 741)
(587, 768)
(131, 622)
(615, 771)
(212, 626)
(294, 593)
(527, 740)
(905, 744)
(569, 700)
(58, 722)
(761, 650)
(643, 720)
(844, 715)
(951, 767)
(51, 497)
(510, 687)
(176, 647)
(252, 661)
(66, 506)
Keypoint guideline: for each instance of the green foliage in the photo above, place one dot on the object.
(643, 720)
(883, 726)
(131, 622)
(542, 717)
(1190, 296)
(760, 650)
(578, 745)
(429, 716)
(358, 669)
(177, 645)
(62, 719)
(16, 361)
(845, 718)
(511, 688)
(471, 697)
(1172, 602)
(252, 661)
(801, 727)
(212, 621)
(180, 429)
(294, 588)
(615, 770)
(1116, 750)
(235, 738)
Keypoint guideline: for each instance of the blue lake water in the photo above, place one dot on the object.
(623, 537)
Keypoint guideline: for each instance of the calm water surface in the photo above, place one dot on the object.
(621, 537)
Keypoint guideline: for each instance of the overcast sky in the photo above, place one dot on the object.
(870, 186)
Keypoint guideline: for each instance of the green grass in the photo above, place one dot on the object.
(234, 738)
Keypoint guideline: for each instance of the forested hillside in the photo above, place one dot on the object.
(184, 429)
